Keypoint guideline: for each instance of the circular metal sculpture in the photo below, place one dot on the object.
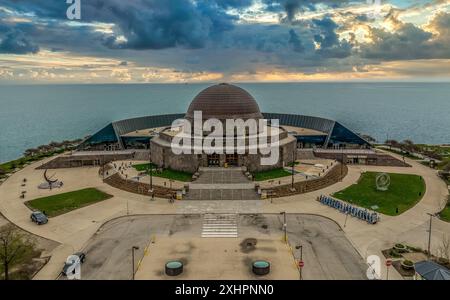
(50, 182)
(383, 181)
(174, 268)
(261, 267)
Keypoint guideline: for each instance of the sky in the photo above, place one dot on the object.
(189, 41)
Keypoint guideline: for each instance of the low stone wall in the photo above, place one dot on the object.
(374, 159)
(138, 187)
(76, 161)
(334, 175)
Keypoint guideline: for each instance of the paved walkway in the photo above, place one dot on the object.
(74, 229)
(222, 184)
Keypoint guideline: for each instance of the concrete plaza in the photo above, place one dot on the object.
(74, 230)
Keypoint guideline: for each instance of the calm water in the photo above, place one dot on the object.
(35, 115)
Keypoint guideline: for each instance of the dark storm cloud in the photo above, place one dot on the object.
(328, 40)
(295, 41)
(327, 36)
(234, 3)
(204, 35)
(292, 7)
(146, 24)
(14, 42)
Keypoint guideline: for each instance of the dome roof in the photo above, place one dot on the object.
(224, 101)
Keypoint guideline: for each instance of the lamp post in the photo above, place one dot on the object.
(429, 235)
(292, 171)
(151, 180)
(132, 259)
(346, 217)
(284, 225)
(300, 263)
(151, 172)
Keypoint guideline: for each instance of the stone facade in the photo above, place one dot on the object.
(162, 155)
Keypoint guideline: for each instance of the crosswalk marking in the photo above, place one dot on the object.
(220, 225)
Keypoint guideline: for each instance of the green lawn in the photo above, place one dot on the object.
(445, 214)
(405, 154)
(63, 203)
(403, 193)
(271, 174)
(166, 173)
(9, 166)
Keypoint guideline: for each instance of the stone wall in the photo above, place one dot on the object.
(337, 172)
(375, 159)
(76, 161)
(164, 157)
(138, 187)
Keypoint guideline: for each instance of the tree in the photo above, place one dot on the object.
(447, 168)
(2, 171)
(444, 247)
(392, 143)
(30, 152)
(14, 247)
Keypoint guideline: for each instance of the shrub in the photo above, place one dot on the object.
(394, 253)
(408, 263)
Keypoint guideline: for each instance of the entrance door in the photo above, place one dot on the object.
(213, 160)
(231, 159)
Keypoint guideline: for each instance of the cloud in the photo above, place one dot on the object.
(225, 37)
(146, 24)
(234, 3)
(14, 42)
(292, 7)
(295, 41)
(410, 42)
(327, 40)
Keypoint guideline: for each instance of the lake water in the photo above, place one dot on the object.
(35, 115)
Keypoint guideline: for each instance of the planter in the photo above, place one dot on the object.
(400, 248)
(174, 268)
(407, 265)
(261, 267)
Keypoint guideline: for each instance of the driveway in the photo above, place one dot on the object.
(326, 251)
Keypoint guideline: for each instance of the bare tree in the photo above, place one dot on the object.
(14, 247)
(444, 247)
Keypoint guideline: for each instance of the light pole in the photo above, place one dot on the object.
(132, 258)
(151, 176)
(292, 171)
(346, 217)
(284, 225)
(429, 236)
(300, 247)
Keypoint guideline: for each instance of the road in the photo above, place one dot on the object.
(326, 251)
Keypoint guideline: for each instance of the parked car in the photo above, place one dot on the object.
(68, 265)
(39, 218)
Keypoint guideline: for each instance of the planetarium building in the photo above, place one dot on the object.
(277, 135)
